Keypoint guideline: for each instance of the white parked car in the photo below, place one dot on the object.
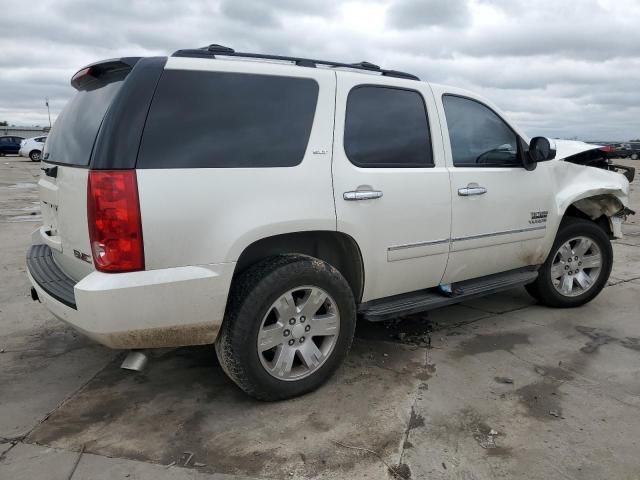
(32, 148)
(262, 206)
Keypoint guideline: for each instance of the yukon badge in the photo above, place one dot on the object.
(539, 217)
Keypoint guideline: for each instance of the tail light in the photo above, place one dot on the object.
(115, 228)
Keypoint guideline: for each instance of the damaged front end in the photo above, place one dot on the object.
(605, 205)
(593, 156)
(594, 193)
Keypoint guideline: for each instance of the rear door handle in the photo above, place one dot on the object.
(362, 195)
(472, 189)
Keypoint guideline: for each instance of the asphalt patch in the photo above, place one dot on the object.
(599, 337)
(542, 399)
(478, 344)
(410, 330)
(183, 410)
(484, 435)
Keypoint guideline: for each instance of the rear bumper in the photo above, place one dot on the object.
(157, 308)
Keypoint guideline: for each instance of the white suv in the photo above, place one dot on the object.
(261, 203)
(32, 148)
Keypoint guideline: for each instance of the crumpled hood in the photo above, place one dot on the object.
(589, 155)
(567, 148)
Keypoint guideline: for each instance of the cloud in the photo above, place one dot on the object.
(556, 68)
(253, 13)
(429, 13)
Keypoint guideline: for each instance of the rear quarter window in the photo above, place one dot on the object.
(228, 120)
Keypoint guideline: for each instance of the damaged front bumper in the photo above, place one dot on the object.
(628, 172)
(616, 221)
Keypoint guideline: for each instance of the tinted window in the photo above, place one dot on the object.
(219, 119)
(387, 127)
(479, 137)
(71, 139)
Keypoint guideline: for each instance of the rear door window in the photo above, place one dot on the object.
(228, 120)
(387, 127)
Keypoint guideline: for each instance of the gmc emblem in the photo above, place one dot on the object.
(82, 256)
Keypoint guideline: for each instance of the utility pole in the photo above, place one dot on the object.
(46, 102)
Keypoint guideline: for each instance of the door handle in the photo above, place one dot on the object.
(50, 171)
(362, 195)
(472, 189)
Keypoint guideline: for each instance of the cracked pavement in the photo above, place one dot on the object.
(497, 387)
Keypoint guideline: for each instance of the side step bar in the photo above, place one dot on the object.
(432, 298)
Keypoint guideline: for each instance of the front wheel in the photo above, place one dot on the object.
(577, 268)
(289, 324)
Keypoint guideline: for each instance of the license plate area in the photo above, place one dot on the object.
(49, 218)
(48, 190)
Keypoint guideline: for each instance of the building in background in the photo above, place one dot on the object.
(24, 132)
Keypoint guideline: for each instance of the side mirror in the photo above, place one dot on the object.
(541, 149)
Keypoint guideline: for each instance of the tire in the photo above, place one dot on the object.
(251, 308)
(551, 292)
(34, 155)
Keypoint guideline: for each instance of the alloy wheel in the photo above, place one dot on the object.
(576, 266)
(298, 333)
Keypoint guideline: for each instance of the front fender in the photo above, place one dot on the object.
(576, 183)
(593, 191)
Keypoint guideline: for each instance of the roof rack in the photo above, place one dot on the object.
(212, 50)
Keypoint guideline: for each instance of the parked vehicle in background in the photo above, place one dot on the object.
(302, 193)
(32, 148)
(10, 144)
(609, 150)
(626, 150)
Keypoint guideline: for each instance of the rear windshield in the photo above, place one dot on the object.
(71, 139)
(228, 120)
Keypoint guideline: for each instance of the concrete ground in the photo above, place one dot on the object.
(494, 388)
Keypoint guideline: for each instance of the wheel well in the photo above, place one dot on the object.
(34, 150)
(338, 249)
(578, 211)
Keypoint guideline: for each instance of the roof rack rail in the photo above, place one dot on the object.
(214, 49)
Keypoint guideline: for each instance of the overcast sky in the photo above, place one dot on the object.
(558, 68)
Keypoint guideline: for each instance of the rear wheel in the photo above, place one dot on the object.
(35, 155)
(577, 268)
(289, 325)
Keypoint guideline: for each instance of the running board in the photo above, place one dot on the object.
(432, 298)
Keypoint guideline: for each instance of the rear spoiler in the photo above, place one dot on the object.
(86, 76)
